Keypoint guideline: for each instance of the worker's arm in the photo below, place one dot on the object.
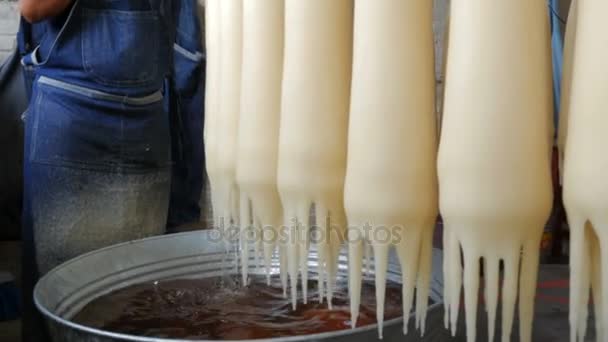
(37, 10)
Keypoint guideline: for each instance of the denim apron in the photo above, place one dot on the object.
(97, 159)
(186, 101)
(28, 37)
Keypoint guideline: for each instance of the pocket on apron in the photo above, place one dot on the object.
(122, 48)
(84, 128)
(189, 71)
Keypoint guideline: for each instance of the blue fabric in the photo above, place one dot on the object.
(558, 53)
(100, 44)
(97, 156)
(28, 37)
(186, 100)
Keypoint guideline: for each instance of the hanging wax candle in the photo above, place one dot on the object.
(391, 179)
(493, 161)
(258, 134)
(312, 143)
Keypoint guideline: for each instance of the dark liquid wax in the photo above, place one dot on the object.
(221, 309)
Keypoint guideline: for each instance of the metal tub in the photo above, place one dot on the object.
(64, 291)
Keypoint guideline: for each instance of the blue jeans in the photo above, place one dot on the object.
(187, 105)
(97, 169)
(96, 173)
(97, 159)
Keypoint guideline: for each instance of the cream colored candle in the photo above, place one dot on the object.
(391, 179)
(493, 161)
(258, 135)
(212, 44)
(581, 274)
(313, 133)
(569, 43)
(225, 123)
(585, 184)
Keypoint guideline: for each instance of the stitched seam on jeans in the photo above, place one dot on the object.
(34, 133)
(195, 57)
(103, 167)
(96, 94)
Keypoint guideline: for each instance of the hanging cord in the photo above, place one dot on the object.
(57, 38)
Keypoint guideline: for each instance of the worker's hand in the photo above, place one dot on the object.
(37, 10)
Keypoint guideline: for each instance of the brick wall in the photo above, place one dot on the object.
(9, 21)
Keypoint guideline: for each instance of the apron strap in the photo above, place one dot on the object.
(32, 59)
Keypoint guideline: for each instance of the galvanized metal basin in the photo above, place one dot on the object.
(64, 291)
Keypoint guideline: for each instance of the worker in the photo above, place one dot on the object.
(187, 97)
(108, 106)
